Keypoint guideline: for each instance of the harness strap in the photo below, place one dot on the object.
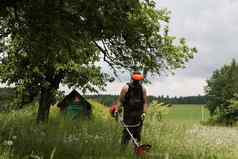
(133, 126)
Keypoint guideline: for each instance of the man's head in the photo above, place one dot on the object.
(137, 76)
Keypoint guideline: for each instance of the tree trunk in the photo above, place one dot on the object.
(46, 97)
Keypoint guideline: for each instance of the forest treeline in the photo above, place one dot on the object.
(110, 99)
(7, 96)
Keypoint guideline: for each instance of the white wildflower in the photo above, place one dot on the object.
(8, 142)
(96, 137)
(35, 156)
(71, 138)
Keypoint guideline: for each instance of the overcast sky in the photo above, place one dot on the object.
(209, 25)
(212, 27)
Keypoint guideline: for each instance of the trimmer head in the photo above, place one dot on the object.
(140, 151)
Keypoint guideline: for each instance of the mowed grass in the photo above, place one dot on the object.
(186, 113)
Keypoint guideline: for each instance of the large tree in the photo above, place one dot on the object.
(222, 90)
(45, 43)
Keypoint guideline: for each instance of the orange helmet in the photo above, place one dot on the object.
(137, 76)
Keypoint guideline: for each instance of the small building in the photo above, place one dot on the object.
(74, 106)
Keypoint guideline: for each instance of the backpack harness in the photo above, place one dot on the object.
(134, 104)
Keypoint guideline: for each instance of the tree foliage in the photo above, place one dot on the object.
(222, 89)
(45, 43)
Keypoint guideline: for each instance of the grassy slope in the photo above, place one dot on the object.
(100, 137)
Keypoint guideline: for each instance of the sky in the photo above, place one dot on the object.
(210, 26)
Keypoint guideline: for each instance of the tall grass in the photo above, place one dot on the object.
(22, 138)
(100, 137)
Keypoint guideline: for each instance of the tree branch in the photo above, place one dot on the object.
(105, 55)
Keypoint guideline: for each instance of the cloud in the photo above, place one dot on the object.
(177, 86)
(209, 25)
(171, 85)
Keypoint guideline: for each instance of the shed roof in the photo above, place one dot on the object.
(70, 97)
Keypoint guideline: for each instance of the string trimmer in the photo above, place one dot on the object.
(139, 149)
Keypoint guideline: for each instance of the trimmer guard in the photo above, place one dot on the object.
(140, 151)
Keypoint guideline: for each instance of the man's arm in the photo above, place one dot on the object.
(146, 101)
(121, 98)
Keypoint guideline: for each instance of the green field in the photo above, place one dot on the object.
(187, 113)
(173, 137)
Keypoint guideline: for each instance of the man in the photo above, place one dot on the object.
(134, 102)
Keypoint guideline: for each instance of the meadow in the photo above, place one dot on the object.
(179, 135)
(193, 113)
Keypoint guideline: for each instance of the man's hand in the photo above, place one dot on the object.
(143, 116)
(114, 111)
(115, 114)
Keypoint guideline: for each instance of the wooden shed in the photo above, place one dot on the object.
(74, 105)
